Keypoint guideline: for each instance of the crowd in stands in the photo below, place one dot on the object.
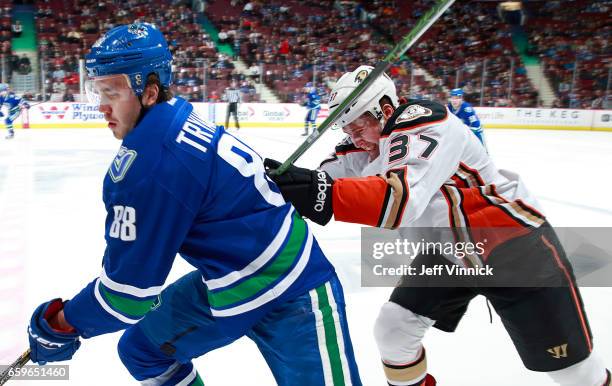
(71, 27)
(469, 39)
(295, 42)
(5, 27)
(291, 39)
(67, 29)
(572, 39)
(288, 43)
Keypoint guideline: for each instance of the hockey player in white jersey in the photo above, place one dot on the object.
(414, 164)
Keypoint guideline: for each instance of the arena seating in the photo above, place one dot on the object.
(71, 27)
(290, 43)
(568, 34)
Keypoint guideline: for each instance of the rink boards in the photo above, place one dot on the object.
(291, 115)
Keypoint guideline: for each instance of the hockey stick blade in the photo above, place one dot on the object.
(407, 41)
(17, 364)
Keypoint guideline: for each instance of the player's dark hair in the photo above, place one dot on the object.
(164, 94)
(385, 100)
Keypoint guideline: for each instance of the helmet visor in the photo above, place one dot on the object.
(108, 89)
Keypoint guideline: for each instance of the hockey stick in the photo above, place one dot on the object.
(7, 374)
(407, 41)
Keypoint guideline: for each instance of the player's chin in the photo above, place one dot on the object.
(117, 132)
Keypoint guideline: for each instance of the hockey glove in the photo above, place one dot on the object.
(310, 191)
(46, 343)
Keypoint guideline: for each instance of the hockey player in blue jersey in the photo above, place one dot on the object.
(465, 112)
(179, 184)
(313, 106)
(14, 104)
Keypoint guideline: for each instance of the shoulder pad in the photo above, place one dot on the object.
(345, 146)
(413, 114)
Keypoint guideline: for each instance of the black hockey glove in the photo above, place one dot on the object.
(310, 191)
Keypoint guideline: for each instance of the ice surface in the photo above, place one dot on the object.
(51, 244)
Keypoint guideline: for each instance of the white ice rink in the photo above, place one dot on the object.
(51, 245)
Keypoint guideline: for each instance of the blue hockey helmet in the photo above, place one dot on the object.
(456, 92)
(136, 50)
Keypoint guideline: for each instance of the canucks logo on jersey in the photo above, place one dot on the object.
(121, 164)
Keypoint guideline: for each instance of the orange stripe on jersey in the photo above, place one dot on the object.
(469, 207)
(460, 182)
(472, 172)
(523, 213)
(575, 296)
(360, 200)
(414, 127)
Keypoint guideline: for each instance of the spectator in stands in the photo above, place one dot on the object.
(194, 97)
(24, 65)
(284, 50)
(181, 80)
(248, 9)
(72, 79)
(74, 36)
(58, 88)
(59, 73)
(214, 97)
(5, 36)
(89, 27)
(598, 102)
(16, 29)
(13, 61)
(68, 96)
(192, 79)
(254, 72)
(244, 87)
(223, 37)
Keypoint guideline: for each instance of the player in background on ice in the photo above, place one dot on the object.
(413, 164)
(182, 185)
(466, 113)
(14, 104)
(233, 97)
(313, 106)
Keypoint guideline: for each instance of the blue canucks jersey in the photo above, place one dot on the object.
(11, 100)
(178, 184)
(313, 100)
(466, 113)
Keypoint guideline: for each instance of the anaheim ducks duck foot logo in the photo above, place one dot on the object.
(413, 112)
(361, 75)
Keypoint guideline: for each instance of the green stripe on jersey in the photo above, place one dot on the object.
(198, 381)
(331, 338)
(281, 264)
(130, 307)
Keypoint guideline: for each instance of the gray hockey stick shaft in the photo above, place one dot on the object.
(19, 363)
(407, 41)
